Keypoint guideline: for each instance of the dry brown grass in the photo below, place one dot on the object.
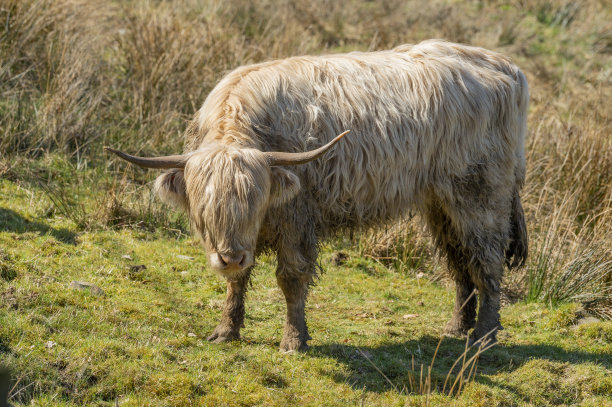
(77, 74)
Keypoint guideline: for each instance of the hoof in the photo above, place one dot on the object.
(221, 339)
(292, 345)
(457, 329)
(223, 335)
(482, 339)
(456, 332)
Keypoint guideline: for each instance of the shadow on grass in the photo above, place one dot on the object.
(396, 361)
(11, 221)
(5, 380)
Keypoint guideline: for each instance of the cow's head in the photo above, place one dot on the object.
(227, 191)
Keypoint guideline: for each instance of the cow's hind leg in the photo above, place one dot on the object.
(486, 238)
(484, 249)
(464, 314)
(232, 318)
(484, 241)
(488, 282)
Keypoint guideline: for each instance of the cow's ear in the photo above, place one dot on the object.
(170, 188)
(285, 186)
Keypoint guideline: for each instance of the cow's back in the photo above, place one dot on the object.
(417, 114)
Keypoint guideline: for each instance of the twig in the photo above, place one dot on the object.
(379, 371)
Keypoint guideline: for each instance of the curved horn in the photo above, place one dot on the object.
(280, 158)
(169, 161)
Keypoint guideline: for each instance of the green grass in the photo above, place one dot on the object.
(79, 74)
(143, 343)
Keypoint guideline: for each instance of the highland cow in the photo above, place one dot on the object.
(437, 128)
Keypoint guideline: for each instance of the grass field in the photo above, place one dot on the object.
(79, 74)
(143, 341)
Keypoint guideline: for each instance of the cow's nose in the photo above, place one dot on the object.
(233, 259)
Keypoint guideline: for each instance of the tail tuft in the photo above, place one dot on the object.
(516, 255)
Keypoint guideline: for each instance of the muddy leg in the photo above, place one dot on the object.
(488, 311)
(295, 289)
(447, 240)
(232, 318)
(464, 314)
(471, 223)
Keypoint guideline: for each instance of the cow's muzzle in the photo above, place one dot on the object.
(230, 261)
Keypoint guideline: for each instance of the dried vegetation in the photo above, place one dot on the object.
(76, 75)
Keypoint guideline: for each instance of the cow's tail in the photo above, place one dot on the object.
(516, 255)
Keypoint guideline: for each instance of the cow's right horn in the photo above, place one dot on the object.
(169, 161)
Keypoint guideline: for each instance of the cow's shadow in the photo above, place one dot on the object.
(401, 362)
(11, 221)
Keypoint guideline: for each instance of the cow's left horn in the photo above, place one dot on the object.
(169, 161)
(279, 158)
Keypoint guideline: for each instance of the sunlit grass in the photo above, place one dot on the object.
(76, 75)
(376, 332)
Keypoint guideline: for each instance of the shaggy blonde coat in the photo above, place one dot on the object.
(417, 115)
(435, 127)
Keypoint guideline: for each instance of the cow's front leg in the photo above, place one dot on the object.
(296, 253)
(295, 289)
(232, 318)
